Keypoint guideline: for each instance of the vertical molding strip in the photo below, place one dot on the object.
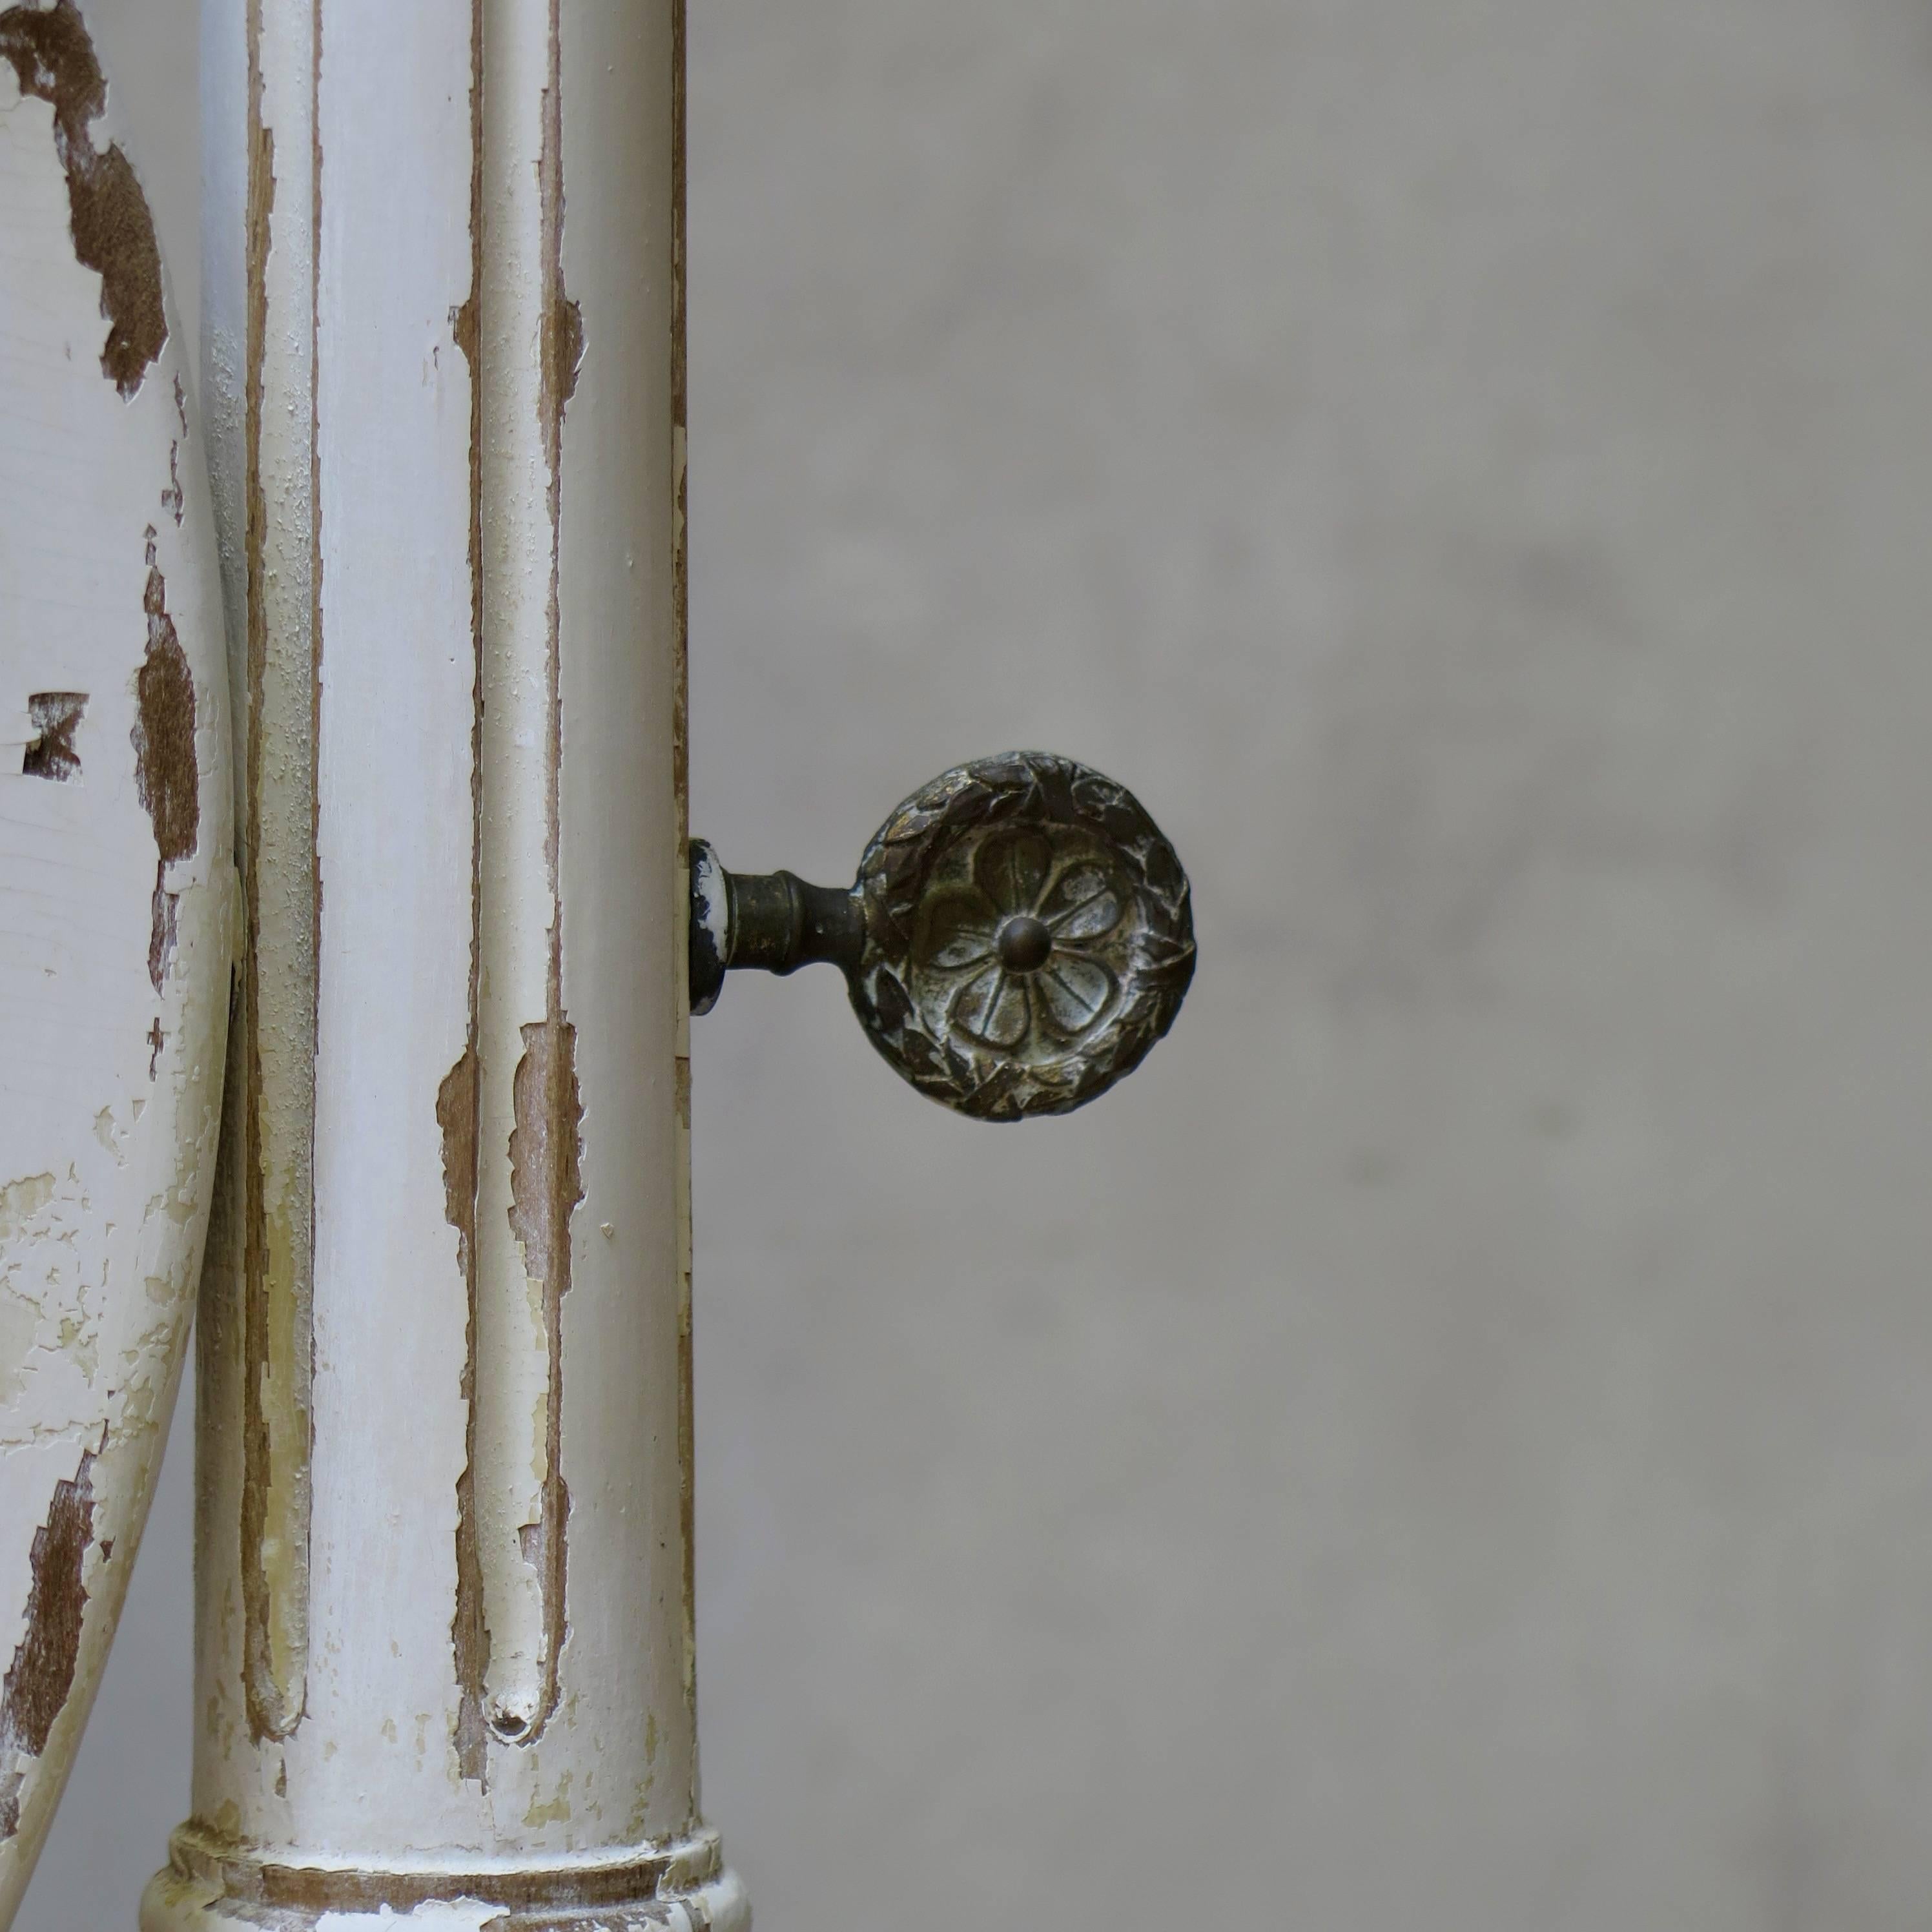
(458, 1099)
(281, 874)
(527, 1186)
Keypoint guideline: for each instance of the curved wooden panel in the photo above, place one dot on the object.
(117, 899)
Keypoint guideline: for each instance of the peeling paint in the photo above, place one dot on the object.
(469, 1635)
(21, 1200)
(546, 1180)
(37, 1686)
(563, 348)
(113, 231)
(167, 776)
(56, 716)
(546, 1186)
(174, 501)
(556, 1812)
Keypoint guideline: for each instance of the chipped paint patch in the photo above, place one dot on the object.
(562, 347)
(546, 1187)
(456, 1102)
(174, 500)
(166, 775)
(55, 716)
(37, 1686)
(556, 1811)
(21, 1200)
(53, 1296)
(113, 231)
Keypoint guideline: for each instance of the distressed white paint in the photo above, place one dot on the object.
(109, 1082)
(519, 878)
(395, 1777)
(276, 668)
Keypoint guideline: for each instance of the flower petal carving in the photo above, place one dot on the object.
(994, 1008)
(1012, 869)
(960, 932)
(1074, 992)
(1081, 905)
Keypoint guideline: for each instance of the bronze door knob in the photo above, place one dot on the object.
(1018, 936)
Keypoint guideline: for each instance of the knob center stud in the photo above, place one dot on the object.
(1025, 943)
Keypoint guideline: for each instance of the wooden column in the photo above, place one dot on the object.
(443, 1553)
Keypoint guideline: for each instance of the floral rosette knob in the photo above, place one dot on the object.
(1018, 936)
(1029, 936)
(1018, 958)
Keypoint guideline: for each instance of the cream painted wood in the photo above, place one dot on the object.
(445, 1666)
(117, 899)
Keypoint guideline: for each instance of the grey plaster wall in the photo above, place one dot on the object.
(1448, 1444)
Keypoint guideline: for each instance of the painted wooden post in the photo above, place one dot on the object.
(443, 1555)
(117, 893)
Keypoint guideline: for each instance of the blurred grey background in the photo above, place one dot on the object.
(1450, 1444)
